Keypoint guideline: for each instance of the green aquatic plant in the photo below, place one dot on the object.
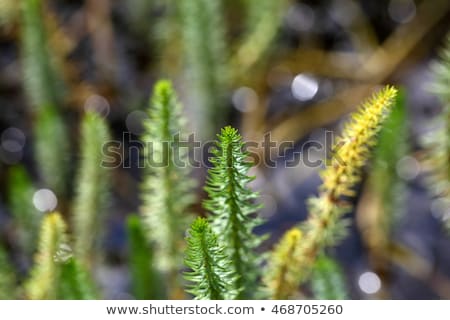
(167, 189)
(325, 226)
(281, 274)
(211, 276)
(92, 184)
(231, 203)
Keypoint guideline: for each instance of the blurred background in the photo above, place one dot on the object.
(295, 69)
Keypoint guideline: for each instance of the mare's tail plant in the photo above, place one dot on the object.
(145, 281)
(281, 276)
(56, 273)
(327, 280)
(167, 188)
(44, 95)
(204, 42)
(211, 276)
(232, 204)
(325, 226)
(92, 182)
(437, 143)
(43, 283)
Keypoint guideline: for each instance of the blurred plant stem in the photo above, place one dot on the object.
(167, 189)
(98, 13)
(328, 281)
(381, 205)
(92, 183)
(44, 91)
(43, 282)
(20, 199)
(204, 42)
(145, 281)
(7, 277)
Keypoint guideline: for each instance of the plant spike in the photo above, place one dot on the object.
(7, 277)
(280, 279)
(145, 280)
(211, 277)
(327, 280)
(231, 202)
(41, 83)
(44, 92)
(92, 182)
(204, 42)
(26, 218)
(166, 189)
(324, 226)
(43, 283)
(437, 142)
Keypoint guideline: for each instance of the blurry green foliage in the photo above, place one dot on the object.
(75, 283)
(20, 199)
(327, 280)
(204, 42)
(437, 142)
(391, 148)
(7, 277)
(45, 275)
(211, 276)
(167, 189)
(93, 180)
(145, 280)
(44, 91)
(232, 204)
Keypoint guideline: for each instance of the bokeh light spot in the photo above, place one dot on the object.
(13, 140)
(45, 200)
(408, 168)
(369, 282)
(304, 87)
(245, 99)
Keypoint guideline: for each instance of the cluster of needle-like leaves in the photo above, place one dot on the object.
(167, 189)
(211, 276)
(232, 204)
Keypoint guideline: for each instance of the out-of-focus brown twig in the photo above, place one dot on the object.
(420, 268)
(98, 13)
